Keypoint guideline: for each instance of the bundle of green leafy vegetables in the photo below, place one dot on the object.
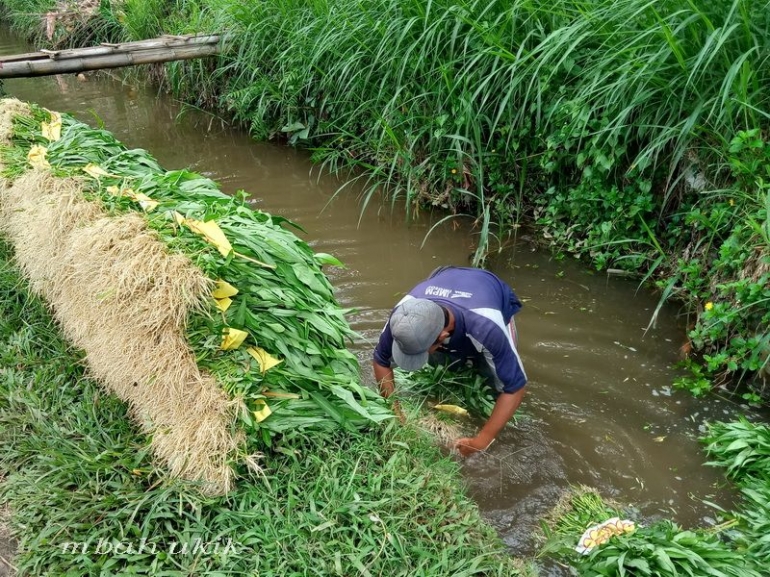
(293, 373)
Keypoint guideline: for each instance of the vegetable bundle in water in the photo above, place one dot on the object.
(211, 319)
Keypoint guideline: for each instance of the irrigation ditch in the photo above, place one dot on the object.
(550, 480)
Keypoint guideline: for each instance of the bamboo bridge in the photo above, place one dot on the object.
(71, 61)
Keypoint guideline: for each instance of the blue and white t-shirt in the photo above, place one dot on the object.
(483, 306)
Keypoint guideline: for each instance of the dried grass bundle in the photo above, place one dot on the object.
(445, 432)
(10, 108)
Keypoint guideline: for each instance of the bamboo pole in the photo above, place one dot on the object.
(163, 49)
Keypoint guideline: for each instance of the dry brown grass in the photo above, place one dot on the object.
(119, 295)
(444, 432)
(10, 107)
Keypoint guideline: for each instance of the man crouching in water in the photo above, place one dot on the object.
(458, 316)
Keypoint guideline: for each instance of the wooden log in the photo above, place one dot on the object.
(74, 65)
(105, 48)
(16, 65)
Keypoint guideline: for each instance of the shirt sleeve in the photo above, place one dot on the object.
(383, 352)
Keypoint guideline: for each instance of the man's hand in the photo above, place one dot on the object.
(505, 406)
(384, 378)
(470, 445)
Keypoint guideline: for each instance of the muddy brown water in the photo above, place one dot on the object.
(600, 409)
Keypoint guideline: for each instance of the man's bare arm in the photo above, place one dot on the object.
(384, 378)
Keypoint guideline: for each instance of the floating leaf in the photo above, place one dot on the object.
(325, 258)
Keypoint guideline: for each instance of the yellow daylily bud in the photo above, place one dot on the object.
(223, 289)
(95, 171)
(37, 157)
(211, 232)
(454, 409)
(266, 360)
(223, 304)
(232, 338)
(277, 395)
(52, 130)
(147, 204)
(263, 413)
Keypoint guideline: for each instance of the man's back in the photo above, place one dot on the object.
(469, 288)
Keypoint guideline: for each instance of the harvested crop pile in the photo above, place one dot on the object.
(213, 321)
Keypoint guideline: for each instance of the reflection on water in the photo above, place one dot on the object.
(600, 409)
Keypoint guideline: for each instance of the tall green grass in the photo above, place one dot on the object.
(568, 88)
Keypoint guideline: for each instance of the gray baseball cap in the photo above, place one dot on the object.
(415, 325)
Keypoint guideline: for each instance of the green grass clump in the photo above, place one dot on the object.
(464, 388)
(743, 449)
(739, 547)
(660, 550)
(88, 500)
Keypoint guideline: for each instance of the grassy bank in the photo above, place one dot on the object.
(87, 499)
(631, 133)
(738, 546)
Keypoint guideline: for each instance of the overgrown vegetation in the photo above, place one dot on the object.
(738, 546)
(661, 549)
(743, 449)
(87, 499)
(631, 133)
